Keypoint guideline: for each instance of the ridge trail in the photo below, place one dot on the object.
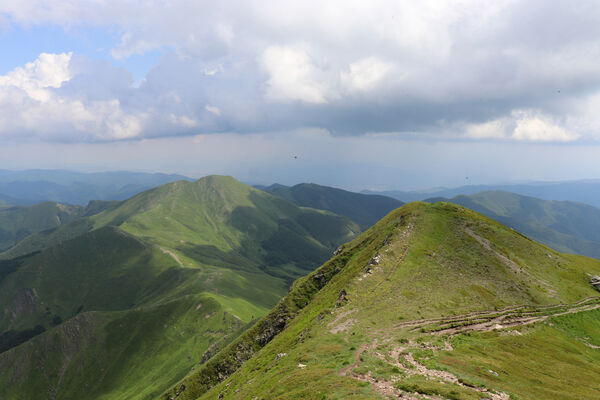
(403, 359)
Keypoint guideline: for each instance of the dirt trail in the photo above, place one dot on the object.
(401, 356)
(173, 255)
(387, 387)
(357, 360)
(498, 319)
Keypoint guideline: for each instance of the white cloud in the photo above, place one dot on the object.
(346, 66)
(536, 128)
(183, 121)
(293, 76)
(522, 125)
(32, 105)
(35, 78)
(213, 110)
(365, 74)
(496, 129)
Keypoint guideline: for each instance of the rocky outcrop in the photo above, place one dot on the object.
(595, 281)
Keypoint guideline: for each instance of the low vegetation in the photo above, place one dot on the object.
(365, 334)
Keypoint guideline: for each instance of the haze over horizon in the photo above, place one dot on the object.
(376, 95)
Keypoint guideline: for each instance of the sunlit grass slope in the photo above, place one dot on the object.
(434, 300)
(124, 302)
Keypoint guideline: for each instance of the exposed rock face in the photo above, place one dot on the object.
(342, 298)
(595, 281)
(375, 260)
(338, 250)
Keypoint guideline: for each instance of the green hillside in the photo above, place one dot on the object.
(16, 223)
(365, 209)
(563, 225)
(124, 302)
(434, 301)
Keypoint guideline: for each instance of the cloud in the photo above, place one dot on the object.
(522, 125)
(33, 105)
(38, 77)
(521, 71)
(293, 76)
(365, 74)
(213, 110)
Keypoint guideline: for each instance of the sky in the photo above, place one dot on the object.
(354, 94)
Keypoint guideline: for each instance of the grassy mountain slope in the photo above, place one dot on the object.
(24, 230)
(429, 302)
(148, 286)
(362, 208)
(16, 223)
(563, 225)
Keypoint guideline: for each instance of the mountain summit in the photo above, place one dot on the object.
(434, 301)
(122, 303)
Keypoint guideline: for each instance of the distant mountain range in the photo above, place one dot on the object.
(22, 188)
(565, 226)
(585, 191)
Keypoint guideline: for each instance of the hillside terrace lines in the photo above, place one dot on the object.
(497, 319)
(402, 358)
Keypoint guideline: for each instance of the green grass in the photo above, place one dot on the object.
(437, 270)
(129, 354)
(429, 387)
(547, 360)
(364, 209)
(563, 225)
(138, 270)
(16, 223)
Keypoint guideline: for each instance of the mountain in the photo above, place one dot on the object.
(434, 301)
(8, 201)
(16, 223)
(27, 229)
(563, 225)
(364, 209)
(122, 303)
(583, 191)
(35, 186)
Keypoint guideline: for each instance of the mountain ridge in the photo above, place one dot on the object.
(364, 209)
(563, 225)
(193, 262)
(357, 298)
